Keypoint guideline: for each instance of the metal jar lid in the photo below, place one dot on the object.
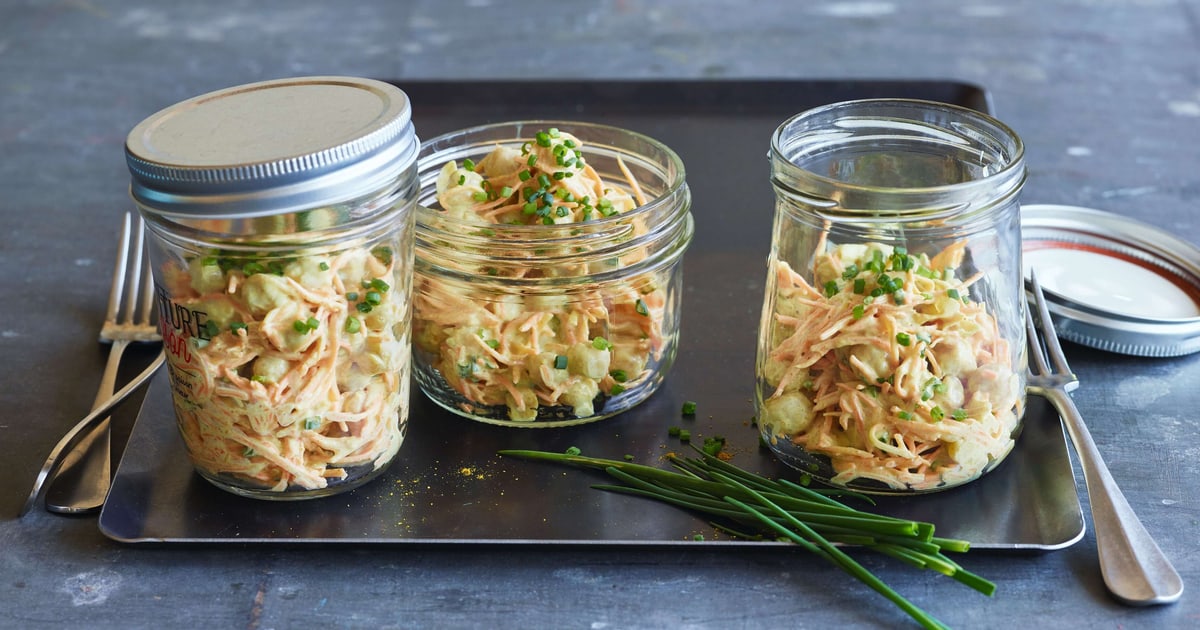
(272, 147)
(1112, 282)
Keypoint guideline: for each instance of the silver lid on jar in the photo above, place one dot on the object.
(272, 147)
(1112, 282)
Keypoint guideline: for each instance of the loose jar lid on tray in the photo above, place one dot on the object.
(1112, 282)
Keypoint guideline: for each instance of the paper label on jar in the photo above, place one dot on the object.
(181, 328)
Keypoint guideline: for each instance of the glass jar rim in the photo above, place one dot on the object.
(659, 229)
(426, 161)
(996, 143)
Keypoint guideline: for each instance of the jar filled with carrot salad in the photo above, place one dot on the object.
(548, 275)
(891, 354)
(280, 219)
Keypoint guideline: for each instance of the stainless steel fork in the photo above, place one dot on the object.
(1135, 570)
(85, 473)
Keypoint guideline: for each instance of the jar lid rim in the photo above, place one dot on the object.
(271, 147)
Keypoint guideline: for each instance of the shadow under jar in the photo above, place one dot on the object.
(280, 218)
(891, 353)
(547, 274)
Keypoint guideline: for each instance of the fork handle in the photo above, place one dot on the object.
(1134, 568)
(108, 381)
(82, 481)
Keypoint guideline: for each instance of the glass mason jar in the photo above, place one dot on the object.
(547, 278)
(891, 352)
(280, 221)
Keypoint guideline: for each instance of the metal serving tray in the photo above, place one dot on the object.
(449, 486)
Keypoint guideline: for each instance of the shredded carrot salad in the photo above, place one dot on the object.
(297, 368)
(539, 356)
(887, 367)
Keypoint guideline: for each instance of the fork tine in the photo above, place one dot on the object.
(1049, 336)
(1037, 356)
(147, 296)
(135, 274)
(147, 306)
(119, 271)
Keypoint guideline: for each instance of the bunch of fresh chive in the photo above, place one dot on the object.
(750, 506)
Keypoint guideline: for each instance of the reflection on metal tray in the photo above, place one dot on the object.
(449, 486)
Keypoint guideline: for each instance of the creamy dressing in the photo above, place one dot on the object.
(1110, 283)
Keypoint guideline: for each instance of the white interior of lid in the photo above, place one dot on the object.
(1106, 281)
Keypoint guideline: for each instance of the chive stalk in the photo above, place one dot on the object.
(750, 506)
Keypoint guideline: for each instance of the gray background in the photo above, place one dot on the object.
(1105, 93)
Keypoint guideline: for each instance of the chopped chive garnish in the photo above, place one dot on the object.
(560, 362)
(619, 376)
(600, 343)
(383, 254)
(379, 285)
(469, 164)
(713, 445)
(352, 325)
(572, 451)
(312, 422)
(858, 311)
(373, 298)
(492, 343)
(903, 339)
(640, 307)
(234, 327)
(688, 408)
(831, 288)
(364, 307)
